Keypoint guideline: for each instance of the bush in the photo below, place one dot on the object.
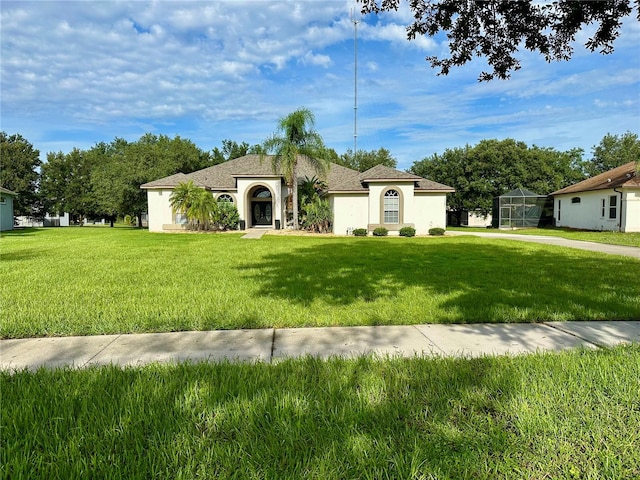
(380, 232)
(360, 232)
(227, 216)
(317, 216)
(407, 232)
(436, 231)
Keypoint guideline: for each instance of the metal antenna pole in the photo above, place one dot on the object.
(355, 84)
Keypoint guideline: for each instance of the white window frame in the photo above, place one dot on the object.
(391, 207)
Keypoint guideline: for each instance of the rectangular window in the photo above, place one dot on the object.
(391, 210)
(603, 208)
(3, 200)
(181, 219)
(613, 207)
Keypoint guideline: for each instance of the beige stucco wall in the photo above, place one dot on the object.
(587, 214)
(349, 211)
(407, 208)
(430, 211)
(160, 212)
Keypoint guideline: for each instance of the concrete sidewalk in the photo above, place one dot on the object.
(271, 345)
(562, 242)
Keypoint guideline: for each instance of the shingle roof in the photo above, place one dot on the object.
(382, 172)
(6, 191)
(338, 178)
(622, 176)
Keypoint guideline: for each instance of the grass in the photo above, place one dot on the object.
(614, 238)
(554, 415)
(81, 281)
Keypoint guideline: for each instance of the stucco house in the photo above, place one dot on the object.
(6, 209)
(609, 201)
(381, 196)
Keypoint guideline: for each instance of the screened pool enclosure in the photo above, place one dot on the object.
(521, 208)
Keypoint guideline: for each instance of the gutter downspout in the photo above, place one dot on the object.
(620, 221)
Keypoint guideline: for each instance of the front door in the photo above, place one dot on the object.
(261, 213)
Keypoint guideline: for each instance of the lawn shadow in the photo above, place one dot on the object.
(336, 419)
(479, 281)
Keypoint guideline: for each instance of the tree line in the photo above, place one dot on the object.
(493, 167)
(104, 181)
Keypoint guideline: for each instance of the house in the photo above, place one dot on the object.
(609, 201)
(381, 196)
(6, 209)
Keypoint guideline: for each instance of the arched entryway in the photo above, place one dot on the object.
(261, 207)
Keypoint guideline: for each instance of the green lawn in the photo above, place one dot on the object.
(613, 238)
(571, 415)
(79, 281)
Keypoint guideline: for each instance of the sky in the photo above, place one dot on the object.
(75, 73)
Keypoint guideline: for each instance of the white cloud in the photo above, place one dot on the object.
(320, 60)
(223, 69)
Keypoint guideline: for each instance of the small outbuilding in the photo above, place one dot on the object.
(6, 209)
(609, 201)
(521, 208)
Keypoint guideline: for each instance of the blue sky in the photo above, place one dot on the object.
(74, 73)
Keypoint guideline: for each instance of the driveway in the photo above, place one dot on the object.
(562, 242)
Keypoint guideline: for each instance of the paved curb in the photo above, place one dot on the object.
(273, 345)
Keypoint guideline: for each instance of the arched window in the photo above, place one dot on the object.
(575, 200)
(225, 197)
(262, 193)
(391, 206)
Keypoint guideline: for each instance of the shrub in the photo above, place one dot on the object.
(380, 232)
(227, 216)
(407, 232)
(317, 216)
(360, 232)
(436, 231)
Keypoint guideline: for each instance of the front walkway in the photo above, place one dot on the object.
(562, 242)
(271, 345)
(255, 233)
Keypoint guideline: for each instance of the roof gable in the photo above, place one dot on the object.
(382, 173)
(622, 176)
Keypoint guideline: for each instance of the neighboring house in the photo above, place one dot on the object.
(609, 201)
(49, 220)
(468, 218)
(56, 220)
(381, 196)
(6, 209)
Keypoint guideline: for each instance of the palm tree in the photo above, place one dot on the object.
(203, 208)
(196, 203)
(295, 137)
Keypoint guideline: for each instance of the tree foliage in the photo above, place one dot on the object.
(494, 167)
(231, 149)
(613, 151)
(295, 137)
(66, 186)
(121, 167)
(364, 160)
(19, 172)
(497, 29)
